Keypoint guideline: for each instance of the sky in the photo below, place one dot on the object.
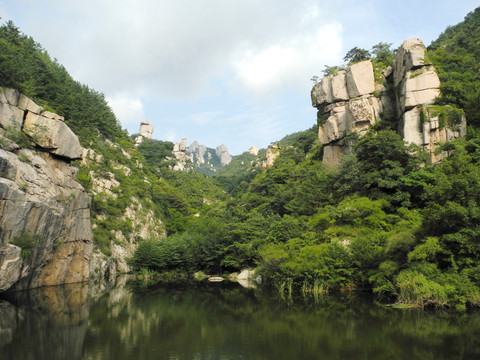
(233, 72)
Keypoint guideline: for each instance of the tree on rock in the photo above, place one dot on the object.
(356, 54)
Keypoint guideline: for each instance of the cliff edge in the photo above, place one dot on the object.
(350, 101)
(45, 229)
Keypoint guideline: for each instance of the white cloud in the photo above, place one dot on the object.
(129, 110)
(290, 64)
(205, 117)
(266, 69)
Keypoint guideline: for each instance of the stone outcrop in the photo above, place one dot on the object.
(146, 131)
(223, 154)
(346, 105)
(207, 160)
(44, 128)
(53, 135)
(351, 100)
(200, 153)
(138, 214)
(417, 85)
(45, 230)
(253, 150)
(184, 161)
(272, 153)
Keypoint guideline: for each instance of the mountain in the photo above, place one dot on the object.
(398, 215)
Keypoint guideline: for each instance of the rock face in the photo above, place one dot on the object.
(53, 135)
(351, 100)
(146, 131)
(184, 160)
(45, 230)
(346, 105)
(204, 159)
(138, 214)
(223, 154)
(199, 152)
(272, 153)
(253, 150)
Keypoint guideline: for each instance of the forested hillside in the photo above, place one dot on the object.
(385, 220)
(134, 195)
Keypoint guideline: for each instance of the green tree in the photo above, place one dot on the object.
(356, 54)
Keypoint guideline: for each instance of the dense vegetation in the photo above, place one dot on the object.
(26, 66)
(385, 220)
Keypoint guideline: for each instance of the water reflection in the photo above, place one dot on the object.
(202, 320)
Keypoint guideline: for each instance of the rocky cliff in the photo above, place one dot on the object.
(203, 159)
(355, 98)
(120, 216)
(45, 230)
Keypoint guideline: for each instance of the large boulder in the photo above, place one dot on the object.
(410, 55)
(322, 92)
(10, 115)
(335, 127)
(338, 85)
(53, 135)
(146, 129)
(410, 127)
(419, 87)
(27, 104)
(360, 79)
(362, 113)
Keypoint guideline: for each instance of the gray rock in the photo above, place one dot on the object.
(146, 129)
(41, 203)
(26, 104)
(360, 79)
(339, 87)
(416, 86)
(223, 154)
(410, 55)
(52, 135)
(253, 150)
(11, 117)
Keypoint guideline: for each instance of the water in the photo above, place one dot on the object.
(223, 321)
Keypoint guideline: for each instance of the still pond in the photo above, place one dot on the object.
(202, 320)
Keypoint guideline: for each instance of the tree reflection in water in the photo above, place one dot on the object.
(201, 320)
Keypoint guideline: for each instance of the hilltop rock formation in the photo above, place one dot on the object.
(200, 153)
(223, 154)
(146, 131)
(204, 159)
(253, 150)
(273, 152)
(45, 230)
(352, 100)
(184, 160)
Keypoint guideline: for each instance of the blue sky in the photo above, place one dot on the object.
(233, 72)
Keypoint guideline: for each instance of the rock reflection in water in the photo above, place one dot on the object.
(44, 323)
(203, 320)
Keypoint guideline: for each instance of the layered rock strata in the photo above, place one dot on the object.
(45, 230)
(352, 100)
